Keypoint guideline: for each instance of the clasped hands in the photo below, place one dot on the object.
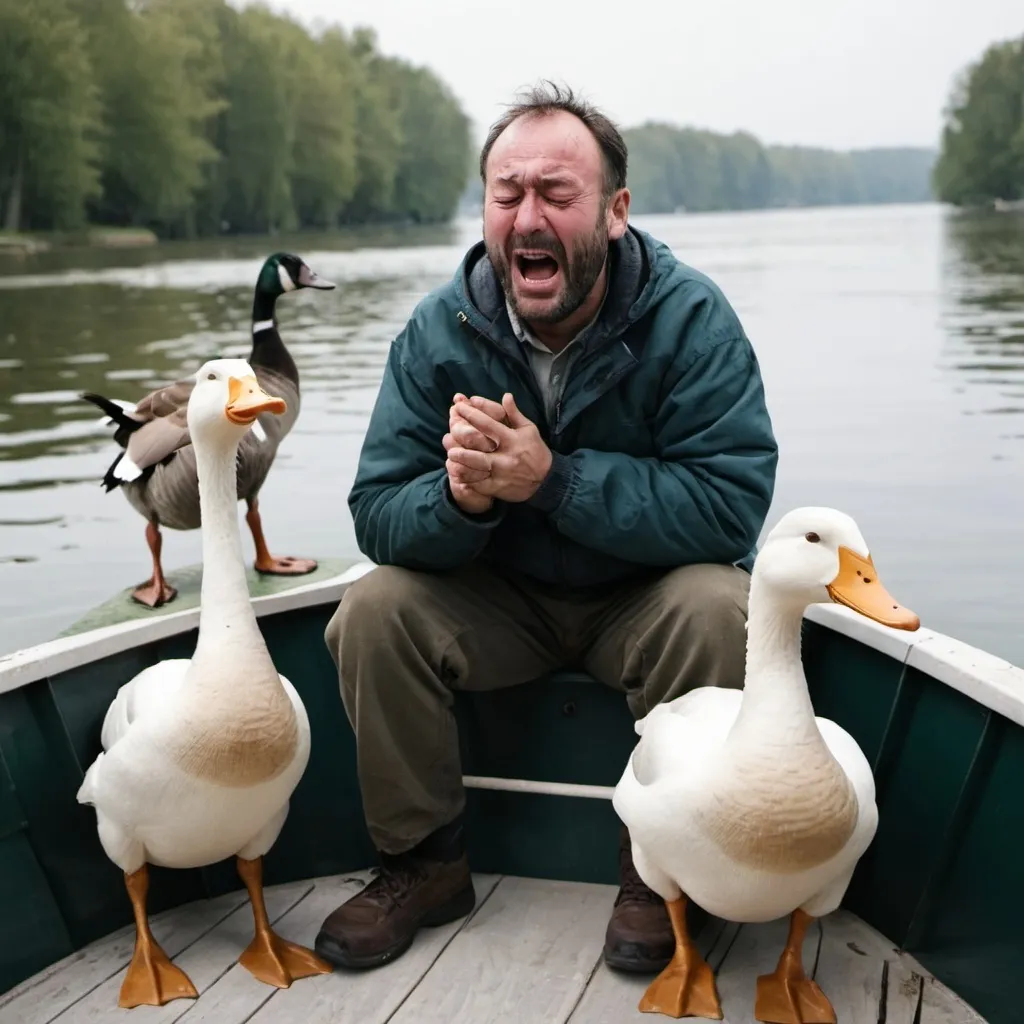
(494, 451)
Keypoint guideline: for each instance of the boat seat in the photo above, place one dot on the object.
(564, 727)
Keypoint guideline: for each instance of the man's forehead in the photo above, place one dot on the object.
(551, 146)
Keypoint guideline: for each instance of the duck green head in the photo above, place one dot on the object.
(284, 272)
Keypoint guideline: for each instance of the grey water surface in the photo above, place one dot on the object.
(891, 341)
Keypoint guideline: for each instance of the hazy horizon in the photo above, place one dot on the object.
(846, 76)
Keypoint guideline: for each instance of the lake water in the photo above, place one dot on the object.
(891, 341)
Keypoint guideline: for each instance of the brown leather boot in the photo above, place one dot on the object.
(411, 891)
(639, 937)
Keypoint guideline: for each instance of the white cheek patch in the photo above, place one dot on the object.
(286, 282)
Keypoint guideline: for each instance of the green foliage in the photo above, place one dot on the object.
(192, 117)
(982, 156)
(433, 125)
(686, 168)
(49, 117)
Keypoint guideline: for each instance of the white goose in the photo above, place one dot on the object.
(745, 802)
(201, 755)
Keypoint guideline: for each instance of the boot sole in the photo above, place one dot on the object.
(460, 905)
(630, 960)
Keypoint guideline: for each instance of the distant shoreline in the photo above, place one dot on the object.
(32, 242)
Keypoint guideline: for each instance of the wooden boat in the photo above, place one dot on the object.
(928, 933)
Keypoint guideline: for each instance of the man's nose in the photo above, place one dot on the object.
(530, 215)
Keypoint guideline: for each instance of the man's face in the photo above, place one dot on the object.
(547, 223)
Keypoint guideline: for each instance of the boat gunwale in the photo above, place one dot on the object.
(62, 654)
(988, 680)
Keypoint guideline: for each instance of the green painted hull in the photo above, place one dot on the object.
(941, 879)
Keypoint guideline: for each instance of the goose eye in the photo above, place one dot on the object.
(211, 376)
(812, 537)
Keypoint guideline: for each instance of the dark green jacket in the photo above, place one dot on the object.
(663, 448)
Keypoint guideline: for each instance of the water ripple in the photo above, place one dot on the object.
(891, 341)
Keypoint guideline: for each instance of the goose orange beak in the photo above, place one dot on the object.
(856, 585)
(246, 400)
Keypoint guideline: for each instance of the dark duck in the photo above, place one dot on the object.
(156, 470)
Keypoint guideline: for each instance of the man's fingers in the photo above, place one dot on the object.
(493, 409)
(491, 428)
(468, 436)
(511, 414)
(470, 458)
(461, 474)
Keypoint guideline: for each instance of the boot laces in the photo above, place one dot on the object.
(394, 880)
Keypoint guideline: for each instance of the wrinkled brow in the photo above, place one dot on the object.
(543, 181)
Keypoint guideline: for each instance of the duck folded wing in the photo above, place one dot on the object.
(165, 426)
(167, 401)
(681, 738)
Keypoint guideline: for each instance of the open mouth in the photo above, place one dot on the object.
(536, 266)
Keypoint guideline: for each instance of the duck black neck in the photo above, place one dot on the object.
(268, 349)
(263, 305)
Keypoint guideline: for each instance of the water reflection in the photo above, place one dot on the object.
(983, 310)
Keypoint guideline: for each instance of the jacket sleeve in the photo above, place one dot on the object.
(704, 498)
(400, 501)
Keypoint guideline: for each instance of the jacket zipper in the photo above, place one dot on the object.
(531, 384)
(552, 432)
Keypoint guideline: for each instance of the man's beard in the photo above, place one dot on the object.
(578, 275)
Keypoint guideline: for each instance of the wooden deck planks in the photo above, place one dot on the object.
(530, 951)
(344, 997)
(41, 998)
(612, 997)
(854, 965)
(527, 955)
(204, 961)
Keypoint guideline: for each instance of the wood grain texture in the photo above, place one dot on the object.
(612, 997)
(527, 955)
(46, 995)
(204, 961)
(530, 951)
(343, 997)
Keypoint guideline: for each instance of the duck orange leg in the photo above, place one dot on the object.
(265, 561)
(151, 979)
(156, 590)
(686, 987)
(269, 958)
(788, 996)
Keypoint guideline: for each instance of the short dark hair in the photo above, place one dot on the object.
(549, 98)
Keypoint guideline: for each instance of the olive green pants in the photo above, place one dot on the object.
(404, 640)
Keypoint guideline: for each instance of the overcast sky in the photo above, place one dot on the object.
(837, 73)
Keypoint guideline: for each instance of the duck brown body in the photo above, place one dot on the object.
(156, 469)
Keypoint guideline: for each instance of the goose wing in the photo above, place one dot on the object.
(164, 427)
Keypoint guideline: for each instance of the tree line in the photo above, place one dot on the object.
(193, 118)
(673, 169)
(981, 160)
(688, 168)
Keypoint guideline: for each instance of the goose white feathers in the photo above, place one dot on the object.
(201, 755)
(746, 802)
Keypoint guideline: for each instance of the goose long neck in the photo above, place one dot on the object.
(776, 701)
(264, 304)
(268, 350)
(227, 624)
